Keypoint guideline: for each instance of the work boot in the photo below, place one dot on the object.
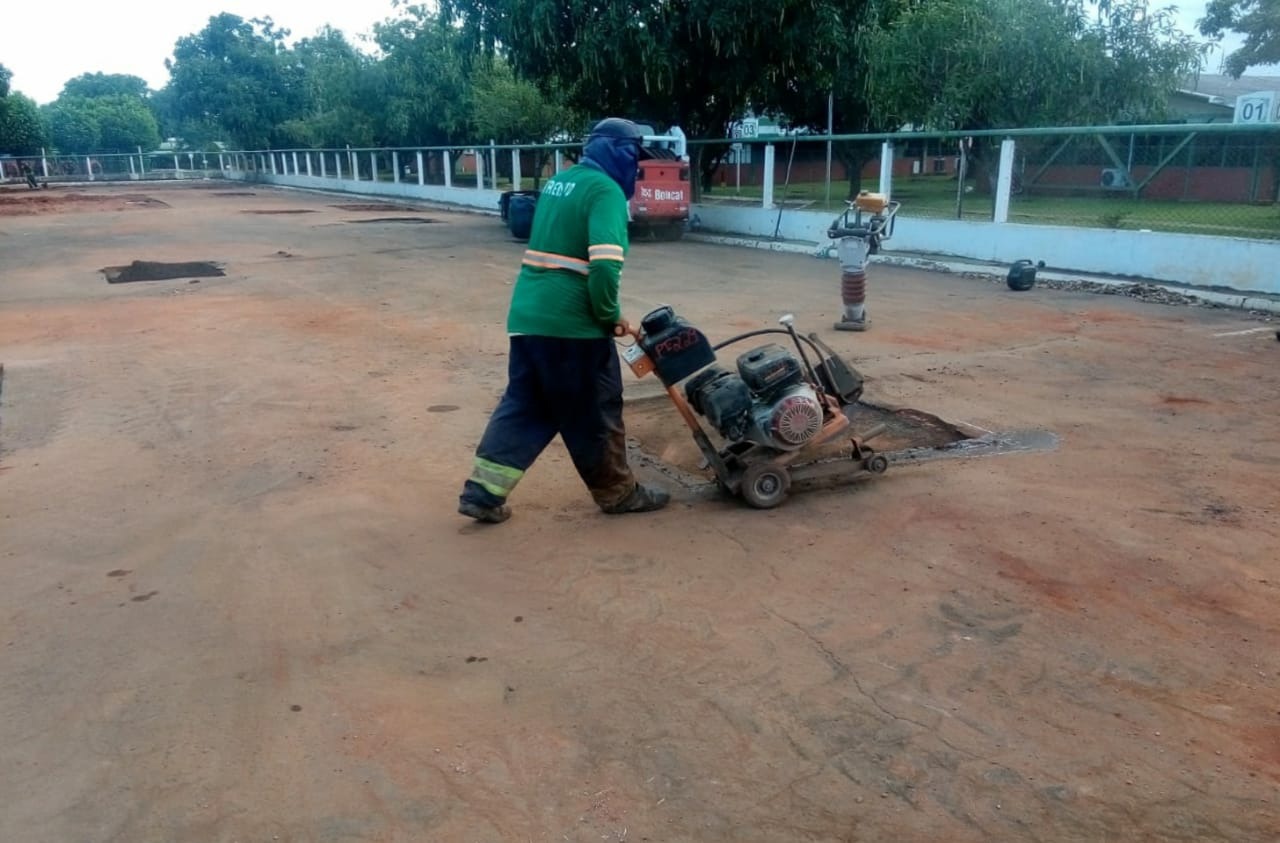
(642, 499)
(485, 514)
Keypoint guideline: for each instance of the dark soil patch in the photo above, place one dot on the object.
(654, 426)
(376, 206)
(159, 271)
(234, 193)
(281, 211)
(407, 220)
(14, 203)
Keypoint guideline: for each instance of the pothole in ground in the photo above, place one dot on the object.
(281, 211)
(376, 206)
(401, 220)
(160, 271)
(659, 442)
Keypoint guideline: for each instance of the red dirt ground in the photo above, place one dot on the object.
(238, 604)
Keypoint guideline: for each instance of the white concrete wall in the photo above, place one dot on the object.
(1198, 260)
(1250, 266)
(468, 197)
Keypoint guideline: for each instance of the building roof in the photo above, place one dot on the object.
(1223, 90)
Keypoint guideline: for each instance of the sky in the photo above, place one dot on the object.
(94, 36)
(135, 38)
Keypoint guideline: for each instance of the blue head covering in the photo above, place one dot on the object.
(613, 147)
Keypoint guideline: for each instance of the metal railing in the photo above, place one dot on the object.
(57, 168)
(1198, 178)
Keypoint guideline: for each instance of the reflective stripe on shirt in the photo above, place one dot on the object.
(606, 252)
(548, 260)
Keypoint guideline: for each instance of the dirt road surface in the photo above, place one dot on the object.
(238, 605)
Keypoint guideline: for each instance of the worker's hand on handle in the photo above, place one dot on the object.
(622, 328)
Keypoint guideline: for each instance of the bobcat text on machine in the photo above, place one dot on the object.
(660, 206)
(785, 415)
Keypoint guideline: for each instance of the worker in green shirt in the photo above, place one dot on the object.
(563, 374)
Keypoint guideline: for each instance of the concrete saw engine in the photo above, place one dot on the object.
(776, 412)
(767, 401)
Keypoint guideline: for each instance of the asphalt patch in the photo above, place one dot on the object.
(160, 271)
(405, 220)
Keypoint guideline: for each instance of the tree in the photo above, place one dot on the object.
(96, 85)
(102, 113)
(340, 92)
(426, 77)
(694, 63)
(73, 127)
(124, 124)
(5, 76)
(1257, 20)
(511, 110)
(983, 64)
(233, 78)
(835, 80)
(21, 130)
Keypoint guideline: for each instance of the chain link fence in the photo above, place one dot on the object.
(1203, 179)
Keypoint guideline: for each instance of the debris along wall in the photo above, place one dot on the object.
(1194, 259)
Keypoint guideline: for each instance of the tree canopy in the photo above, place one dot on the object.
(1257, 20)
(462, 71)
(945, 64)
(21, 129)
(96, 85)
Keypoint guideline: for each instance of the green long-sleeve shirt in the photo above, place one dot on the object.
(569, 278)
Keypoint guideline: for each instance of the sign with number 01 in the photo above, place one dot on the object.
(1258, 107)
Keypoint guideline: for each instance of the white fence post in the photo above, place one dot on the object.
(133, 174)
(447, 162)
(351, 160)
(142, 165)
(1004, 181)
(516, 177)
(307, 155)
(479, 155)
(559, 161)
(294, 155)
(222, 163)
(88, 167)
(886, 168)
(373, 166)
(767, 200)
(493, 164)
(44, 163)
(422, 174)
(337, 165)
(395, 166)
(323, 167)
(272, 156)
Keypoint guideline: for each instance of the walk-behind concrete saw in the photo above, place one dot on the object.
(791, 414)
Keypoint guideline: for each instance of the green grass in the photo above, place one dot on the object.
(936, 198)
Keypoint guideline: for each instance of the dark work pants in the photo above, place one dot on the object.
(572, 387)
